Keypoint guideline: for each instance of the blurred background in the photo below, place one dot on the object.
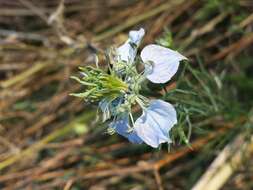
(50, 140)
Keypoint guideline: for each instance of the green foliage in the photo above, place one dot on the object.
(166, 39)
(26, 105)
(99, 85)
(199, 95)
(80, 128)
(211, 7)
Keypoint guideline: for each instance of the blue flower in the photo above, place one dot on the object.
(161, 64)
(164, 61)
(152, 127)
(121, 126)
(154, 124)
(119, 90)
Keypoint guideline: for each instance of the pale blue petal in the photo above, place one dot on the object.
(135, 36)
(128, 50)
(122, 127)
(103, 105)
(165, 62)
(154, 124)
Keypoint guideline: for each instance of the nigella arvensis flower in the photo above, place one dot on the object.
(119, 91)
